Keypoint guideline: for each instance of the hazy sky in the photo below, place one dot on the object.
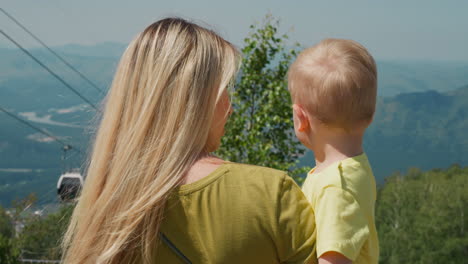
(396, 29)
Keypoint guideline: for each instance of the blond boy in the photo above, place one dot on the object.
(333, 86)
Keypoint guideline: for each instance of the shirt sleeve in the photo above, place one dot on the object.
(341, 223)
(296, 234)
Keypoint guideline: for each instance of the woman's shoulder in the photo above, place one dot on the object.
(259, 171)
(272, 197)
(258, 177)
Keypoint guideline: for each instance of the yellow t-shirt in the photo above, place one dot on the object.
(343, 198)
(239, 214)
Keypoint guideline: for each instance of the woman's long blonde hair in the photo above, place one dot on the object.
(155, 124)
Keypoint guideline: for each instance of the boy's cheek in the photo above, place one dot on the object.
(302, 138)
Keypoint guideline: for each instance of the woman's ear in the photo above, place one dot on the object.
(301, 121)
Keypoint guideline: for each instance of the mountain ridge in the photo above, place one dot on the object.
(421, 127)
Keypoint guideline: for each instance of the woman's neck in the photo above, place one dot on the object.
(204, 166)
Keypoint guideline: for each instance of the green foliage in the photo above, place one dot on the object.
(6, 227)
(9, 253)
(260, 131)
(21, 205)
(422, 217)
(40, 238)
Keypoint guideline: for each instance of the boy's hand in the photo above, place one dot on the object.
(333, 257)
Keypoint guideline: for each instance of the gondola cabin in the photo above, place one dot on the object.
(69, 185)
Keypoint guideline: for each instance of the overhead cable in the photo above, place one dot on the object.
(52, 51)
(39, 129)
(49, 70)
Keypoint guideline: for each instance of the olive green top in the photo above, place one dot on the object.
(239, 214)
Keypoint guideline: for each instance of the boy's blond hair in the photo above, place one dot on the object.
(336, 82)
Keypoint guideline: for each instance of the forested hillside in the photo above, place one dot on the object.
(422, 217)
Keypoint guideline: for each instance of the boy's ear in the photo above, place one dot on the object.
(302, 121)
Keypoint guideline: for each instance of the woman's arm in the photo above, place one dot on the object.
(296, 233)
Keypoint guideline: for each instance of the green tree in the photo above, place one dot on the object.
(6, 226)
(21, 205)
(41, 236)
(421, 217)
(260, 130)
(9, 253)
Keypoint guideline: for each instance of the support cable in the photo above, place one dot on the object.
(49, 70)
(52, 51)
(39, 130)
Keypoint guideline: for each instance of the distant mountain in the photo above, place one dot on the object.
(417, 128)
(423, 129)
(15, 65)
(99, 62)
(397, 77)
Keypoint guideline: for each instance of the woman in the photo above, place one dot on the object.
(153, 193)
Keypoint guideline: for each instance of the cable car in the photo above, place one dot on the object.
(69, 185)
(70, 182)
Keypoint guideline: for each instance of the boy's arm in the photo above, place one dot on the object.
(333, 257)
(342, 227)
